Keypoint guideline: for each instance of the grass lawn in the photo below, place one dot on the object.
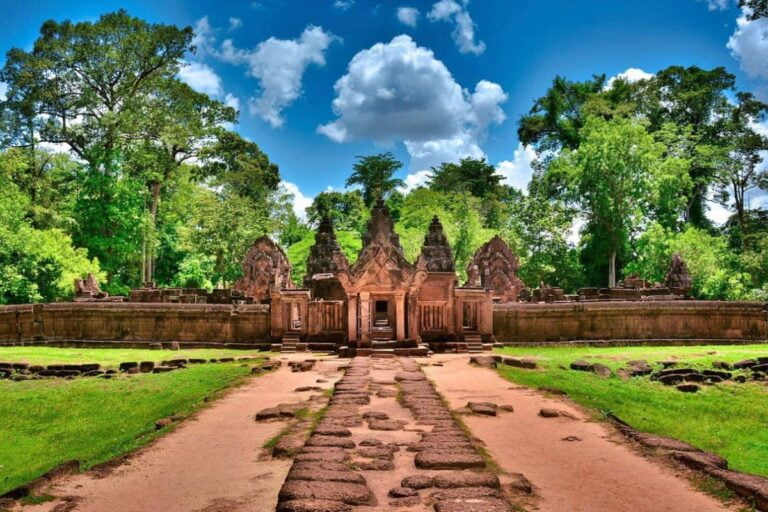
(728, 419)
(44, 423)
(110, 357)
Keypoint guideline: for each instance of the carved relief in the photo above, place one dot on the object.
(495, 266)
(436, 251)
(325, 260)
(265, 270)
(678, 278)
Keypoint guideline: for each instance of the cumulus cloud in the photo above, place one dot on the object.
(201, 78)
(399, 91)
(205, 37)
(235, 23)
(749, 45)
(518, 171)
(415, 180)
(408, 16)
(300, 201)
(463, 33)
(233, 101)
(631, 75)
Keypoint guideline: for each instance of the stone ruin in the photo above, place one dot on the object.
(266, 269)
(325, 260)
(678, 278)
(87, 290)
(436, 251)
(495, 266)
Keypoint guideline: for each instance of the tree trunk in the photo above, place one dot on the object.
(149, 272)
(612, 270)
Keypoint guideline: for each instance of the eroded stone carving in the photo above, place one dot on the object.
(325, 260)
(88, 288)
(678, 278)
(436, 251)
(495, 266)
(265, 269)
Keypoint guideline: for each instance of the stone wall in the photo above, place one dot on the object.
(654, 320)
(136, 324)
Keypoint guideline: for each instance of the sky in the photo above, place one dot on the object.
(318, 82)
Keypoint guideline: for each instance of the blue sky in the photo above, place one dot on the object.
(318, 82)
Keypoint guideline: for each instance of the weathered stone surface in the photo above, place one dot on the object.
(370, 442)
(386, 424)
(375, 415)
(313, 506)
(486, 361)
(688, 388)
(581, 365)
(162, 369)
(601, 370)
(340, 442)
(484, 408)
(350, 493)
(123, 366)
(411, 376)
(375, 465)
(333, 430)
(418, 481)
(442, 460)
(547, 412)
(321, 457)
(146, 366)
(700, 460)
(495, 266)
(288, 446)
(466, 479)
(268, 413)
(326, 476)
(747, 486)
(519, 483)
(377, 452)
(476, 505)
(402, 492)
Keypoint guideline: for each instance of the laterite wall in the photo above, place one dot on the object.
(135, 324)
(660, 320)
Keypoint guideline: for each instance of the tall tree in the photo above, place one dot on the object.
(759, 8)
(609, 178)
(347, 210)
(375, 173)
(89, 86)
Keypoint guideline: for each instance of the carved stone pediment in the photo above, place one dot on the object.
(265, 269)
(381, 263)
(436, 251)
(495, 266)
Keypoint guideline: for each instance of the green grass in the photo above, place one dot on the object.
(44, 423)
(728, 419)
(109, 356)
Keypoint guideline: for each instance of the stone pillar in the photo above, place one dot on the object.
(485, 314)
(276, 315)
(304, 312)
(413, 316)
(352, 320)
(365, 319)
(400, 316)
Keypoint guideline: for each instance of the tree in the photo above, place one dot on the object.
(609, 179)
(347, 210)
(90, 86)
(737, 162)
(375, 174)
(472, 175)
(178, 124)
(555, 120)
(759, 8)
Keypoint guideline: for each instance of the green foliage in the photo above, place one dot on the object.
(347, 210)
(375, 174)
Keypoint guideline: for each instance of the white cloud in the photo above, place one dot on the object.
(415, 180)
(749, 45)
(233, 101)
(300, 201)
(464, 28)
(343, 5)
(235, 23)
(408, 16)
(201, 78)
(518, 171)
(717, 5)
(205, 37)
(3, 90)
(279, 65)
(631, 75)
(399, 91)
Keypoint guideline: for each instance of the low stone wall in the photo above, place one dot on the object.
(135, 324)
(681, 320)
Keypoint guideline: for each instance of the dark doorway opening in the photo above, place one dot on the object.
(381, 315)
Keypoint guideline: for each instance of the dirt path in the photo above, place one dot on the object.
(210, 463)
(596, 473)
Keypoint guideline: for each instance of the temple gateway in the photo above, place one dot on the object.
(381, 302)
(384, 303)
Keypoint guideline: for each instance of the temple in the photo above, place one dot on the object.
(382, 303)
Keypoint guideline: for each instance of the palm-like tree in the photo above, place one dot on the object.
(374, 173)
